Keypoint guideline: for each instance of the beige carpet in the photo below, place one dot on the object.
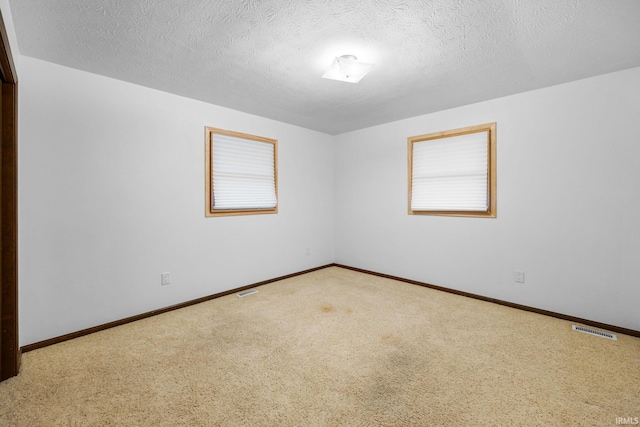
(331, 348)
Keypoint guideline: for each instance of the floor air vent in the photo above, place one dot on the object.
(594, 332)
(249, 292)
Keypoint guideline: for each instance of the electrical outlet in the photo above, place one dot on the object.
(307, 251)
(166, 278)
(518, 276)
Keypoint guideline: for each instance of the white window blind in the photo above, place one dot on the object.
(243, 173)
(451, 174)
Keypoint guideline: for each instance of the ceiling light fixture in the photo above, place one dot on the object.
(347, 68)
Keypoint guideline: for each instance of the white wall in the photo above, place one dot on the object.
(568, 202)
(112, 187)
(11, 32)
(112, 195)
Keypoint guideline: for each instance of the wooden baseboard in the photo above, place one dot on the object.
(587, 322)
(115, 323)
(98, 328)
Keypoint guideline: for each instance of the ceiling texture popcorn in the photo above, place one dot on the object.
(267, 57)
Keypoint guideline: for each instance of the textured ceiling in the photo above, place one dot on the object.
(266, 57)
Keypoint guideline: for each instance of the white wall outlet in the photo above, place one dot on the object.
(307, 251)
(518, 276)
(165, 278)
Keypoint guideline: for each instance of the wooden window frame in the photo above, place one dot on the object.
(209, 141)
(491, 211)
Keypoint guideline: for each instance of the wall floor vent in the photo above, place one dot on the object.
(249, 292)
(594, 332)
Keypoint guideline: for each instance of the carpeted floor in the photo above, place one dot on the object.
(331, 348)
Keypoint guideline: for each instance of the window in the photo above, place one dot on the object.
(241, 174)
(454, 172)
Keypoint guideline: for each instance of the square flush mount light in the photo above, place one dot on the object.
(347, 68)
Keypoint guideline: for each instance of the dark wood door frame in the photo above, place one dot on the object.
(9, 344)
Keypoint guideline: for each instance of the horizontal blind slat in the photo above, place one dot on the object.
(243, 173)
(450, 174)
